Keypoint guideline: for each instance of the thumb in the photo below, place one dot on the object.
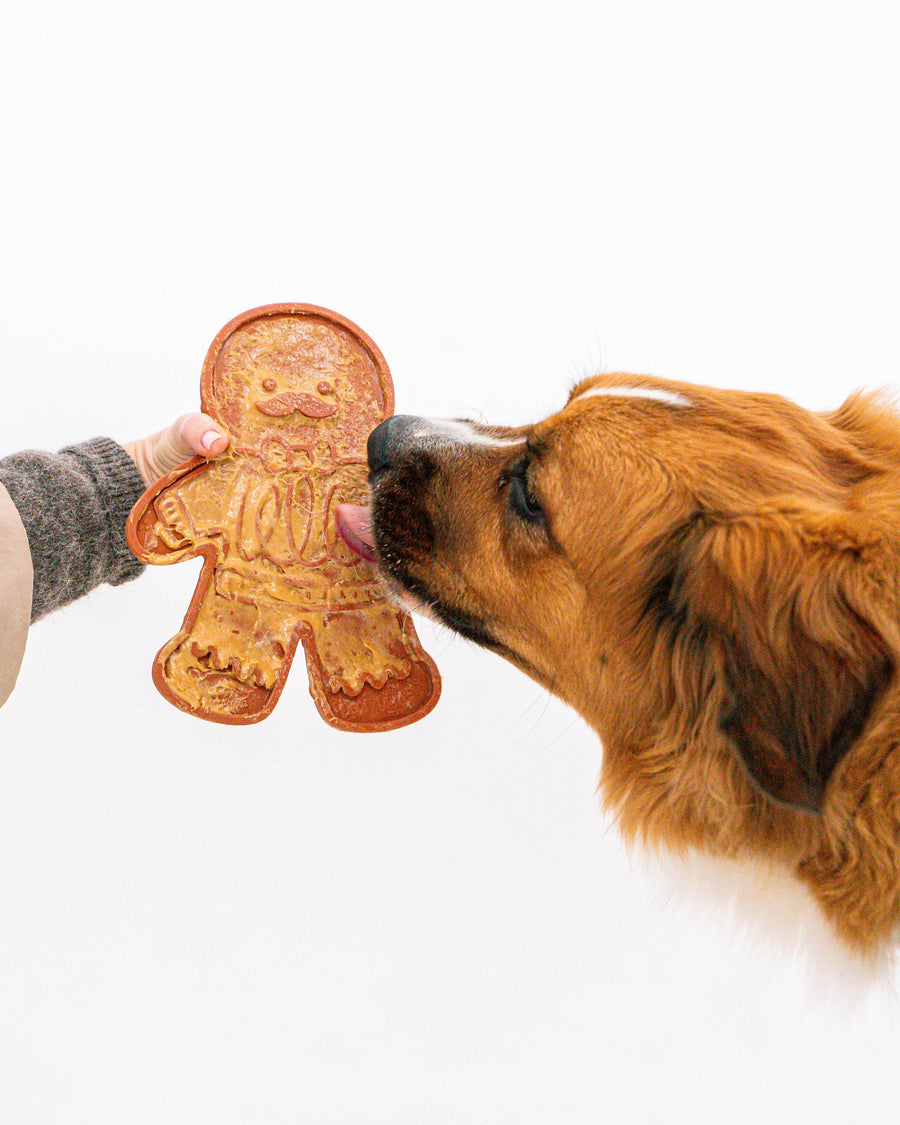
(188, 435)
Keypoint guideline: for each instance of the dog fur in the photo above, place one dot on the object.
(712, 580)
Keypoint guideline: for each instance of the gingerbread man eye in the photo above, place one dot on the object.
(269, 384)
(324, 388)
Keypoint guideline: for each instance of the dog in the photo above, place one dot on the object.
(711, 579)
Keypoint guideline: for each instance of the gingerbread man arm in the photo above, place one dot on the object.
(157, 526)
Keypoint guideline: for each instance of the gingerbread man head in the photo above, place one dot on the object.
(296, 390)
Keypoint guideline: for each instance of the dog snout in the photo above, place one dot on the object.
(392, 443)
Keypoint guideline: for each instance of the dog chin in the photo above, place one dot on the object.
(402, 597)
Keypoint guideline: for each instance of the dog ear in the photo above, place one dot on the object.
(777, 605)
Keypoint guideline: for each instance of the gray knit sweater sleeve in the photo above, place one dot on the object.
(74, 505)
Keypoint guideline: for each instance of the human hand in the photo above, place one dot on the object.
(161, 452)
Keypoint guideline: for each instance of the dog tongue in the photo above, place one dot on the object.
(354, 524)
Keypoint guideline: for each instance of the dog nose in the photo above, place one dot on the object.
(389, 442)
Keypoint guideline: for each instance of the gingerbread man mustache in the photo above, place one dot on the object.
(298, 388)
(285, 404)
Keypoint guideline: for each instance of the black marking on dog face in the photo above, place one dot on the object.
(474, 629)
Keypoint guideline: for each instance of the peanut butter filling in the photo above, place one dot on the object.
(280, 565)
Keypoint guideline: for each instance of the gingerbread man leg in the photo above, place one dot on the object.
(360, 680)
(231, 658)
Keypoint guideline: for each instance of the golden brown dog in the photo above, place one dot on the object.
(712, 580)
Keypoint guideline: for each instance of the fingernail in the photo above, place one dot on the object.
(209, 438)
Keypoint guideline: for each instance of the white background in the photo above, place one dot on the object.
(284, 924)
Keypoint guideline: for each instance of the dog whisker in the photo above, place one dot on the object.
(537, 699)
(535, 724)
(559, 736)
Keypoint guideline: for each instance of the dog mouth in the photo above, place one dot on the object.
(355, 525)
(356, 528)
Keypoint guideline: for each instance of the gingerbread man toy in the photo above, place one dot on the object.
(298, 389)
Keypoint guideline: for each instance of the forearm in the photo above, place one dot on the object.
(74, 505)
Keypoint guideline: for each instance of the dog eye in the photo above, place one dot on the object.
(519, 496)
